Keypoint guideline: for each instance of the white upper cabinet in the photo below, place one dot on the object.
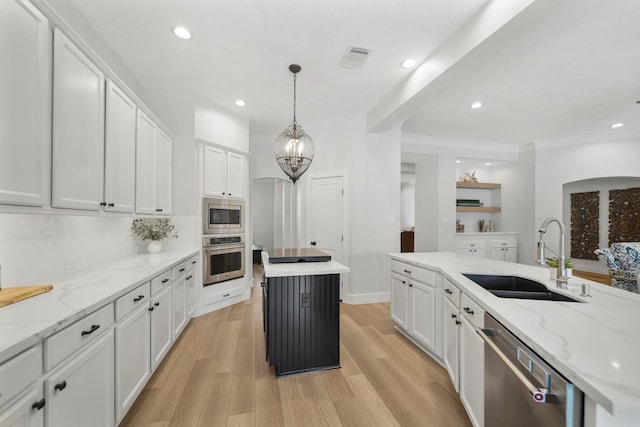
(235, 175)
(146, 165)
(153, 168)
(224, 173)
(25, 104)
(120, 151)
(164, 147)
(215, 171)
(78, 128)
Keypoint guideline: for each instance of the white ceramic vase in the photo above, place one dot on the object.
(154, 246)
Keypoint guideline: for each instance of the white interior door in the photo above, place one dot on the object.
(325, 216)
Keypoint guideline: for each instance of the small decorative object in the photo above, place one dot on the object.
(459, 226)
(468, 177)
(294, 147)
(481, 225)
(154, 230)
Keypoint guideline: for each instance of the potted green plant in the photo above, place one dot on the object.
(568, 264)
(154, 229)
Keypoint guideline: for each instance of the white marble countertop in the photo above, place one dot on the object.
(301, 268)
(75, 295)
(596, 345)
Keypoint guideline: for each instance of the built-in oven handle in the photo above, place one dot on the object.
(539, 395)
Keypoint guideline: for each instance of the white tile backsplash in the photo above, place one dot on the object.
(36, 247)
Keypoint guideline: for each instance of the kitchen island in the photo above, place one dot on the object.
(594, 343)
(301, 314)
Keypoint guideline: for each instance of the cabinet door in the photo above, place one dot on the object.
(25, 104)
(26, 412)
(133, 341)
(472, 372)
(119, 151)
(81, 393)
(511, 254)
(164, 197)
(179, 306)
(235, 175)
(215, 171)
(78, 128)
(451, 326)
(399, 300)
(497, 253)
(191, 293)
(161, 332)
(422, 325)
(146, 165)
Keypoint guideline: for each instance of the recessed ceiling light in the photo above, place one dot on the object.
(488, 164)
(458, 161)
(408, 63)
(617, 125)
(475, 105)
(182, 33)
(240, 103)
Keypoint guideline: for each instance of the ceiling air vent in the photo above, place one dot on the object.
(354, 57)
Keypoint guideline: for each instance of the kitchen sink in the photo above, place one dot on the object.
(516, 287)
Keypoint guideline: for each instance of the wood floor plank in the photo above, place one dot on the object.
(216, 375)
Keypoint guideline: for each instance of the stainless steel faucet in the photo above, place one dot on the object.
(561, 280)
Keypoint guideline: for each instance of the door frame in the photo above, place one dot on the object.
(344, 278)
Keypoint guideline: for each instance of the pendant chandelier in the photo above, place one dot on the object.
(293, 147)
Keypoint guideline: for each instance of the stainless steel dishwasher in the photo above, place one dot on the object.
(520, 389)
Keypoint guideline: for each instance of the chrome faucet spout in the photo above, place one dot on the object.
(561, 280)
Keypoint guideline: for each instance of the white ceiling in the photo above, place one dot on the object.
(560, 68)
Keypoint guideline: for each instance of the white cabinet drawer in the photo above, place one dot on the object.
(503, 243)
(192, 263)
(223, 295)
(161, 281)
(452, 292)
(472, 244)
(17, 373)
(126, 303)
(179, 270)
(472, 311)
(417, 273)
(66, 342)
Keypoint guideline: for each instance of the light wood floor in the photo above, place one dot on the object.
(216, 375)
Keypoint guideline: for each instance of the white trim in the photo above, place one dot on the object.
(611, 136)
(369, 298)
(222, 147)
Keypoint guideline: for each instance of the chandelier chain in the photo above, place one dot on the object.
(294, 102)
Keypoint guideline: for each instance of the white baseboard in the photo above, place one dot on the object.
(366, 298)
(204, 309)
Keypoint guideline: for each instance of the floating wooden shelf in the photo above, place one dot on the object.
(476, 209)
(478, 185)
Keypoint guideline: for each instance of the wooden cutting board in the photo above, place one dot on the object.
(11, 295)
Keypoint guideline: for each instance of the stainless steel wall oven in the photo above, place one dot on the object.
(223, 258)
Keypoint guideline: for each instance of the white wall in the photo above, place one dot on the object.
(561, 161)
(221, 126)
(408, 200)
(372, 165)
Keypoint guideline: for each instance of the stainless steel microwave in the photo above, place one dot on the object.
(222, 216)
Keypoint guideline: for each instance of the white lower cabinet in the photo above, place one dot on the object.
(504, 250)
(179, 305)
(413, 302)
(451, 325)
(472, 372)
(27, 411)
(161, 331)
(422, 325)
(133, 360)
(81, 392)
(399, 300)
